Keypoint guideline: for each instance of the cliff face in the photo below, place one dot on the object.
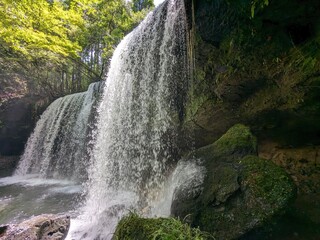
(18, 118)
(262, 71)
(19, 111)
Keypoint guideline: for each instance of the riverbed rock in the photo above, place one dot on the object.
(240, 191)
(42, 227)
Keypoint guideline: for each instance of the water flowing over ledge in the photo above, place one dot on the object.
(139, 115)
(122, 145)
(58, 145)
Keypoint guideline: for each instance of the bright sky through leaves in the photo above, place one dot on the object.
(157, 2)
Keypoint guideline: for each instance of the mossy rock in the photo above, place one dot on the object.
(265, 191)
(237, 139)
(236, 143)
(267, 181)
(240, 192)
(133, 227)
(267, 79)
(222, 177)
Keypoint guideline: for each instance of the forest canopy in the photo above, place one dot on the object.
(65, 44)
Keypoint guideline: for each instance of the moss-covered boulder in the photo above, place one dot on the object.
(237, 142)
(240, 191)
(133, 227)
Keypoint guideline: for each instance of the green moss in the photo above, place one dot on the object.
(267, 181)
(265, 192)
(194, 105)
(237, 138)
(240, 192)
(132, 227)
(222, 184)
(236, 143)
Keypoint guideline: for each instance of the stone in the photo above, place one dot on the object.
(301, 163)
(42, 227)
(240, 191)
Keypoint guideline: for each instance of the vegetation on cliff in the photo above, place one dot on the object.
(133, 227)
(262, 69)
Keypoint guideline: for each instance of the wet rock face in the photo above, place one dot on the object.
(7, 165)
(17, 119)
(302, 164)
(42, 227)
(240, 192)
(213, 19)
(232, 84)
(133, 227)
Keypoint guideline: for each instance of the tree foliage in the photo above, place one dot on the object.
(139, 5)
(63, 45)
(39, 29)
(107, 23)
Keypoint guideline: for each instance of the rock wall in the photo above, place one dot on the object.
(7, 165)
(260, 72)
(17, 120)
(247, 70)
(303, 164)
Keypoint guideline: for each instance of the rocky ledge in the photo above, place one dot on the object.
(42, 227)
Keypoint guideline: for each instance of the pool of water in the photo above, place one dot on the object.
(24, 196)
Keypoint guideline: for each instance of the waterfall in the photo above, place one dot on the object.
(58, 145)
(126, 145)
(140, 112)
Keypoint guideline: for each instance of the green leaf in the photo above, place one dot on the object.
(252, 10)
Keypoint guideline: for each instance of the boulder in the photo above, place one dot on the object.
(42, 227)
(301, 163)
(240, 191)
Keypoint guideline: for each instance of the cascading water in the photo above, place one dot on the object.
(139, 115)
(58, 145)
(58, 148)
(129, 156)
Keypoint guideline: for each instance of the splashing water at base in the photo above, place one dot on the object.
(24, 196)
